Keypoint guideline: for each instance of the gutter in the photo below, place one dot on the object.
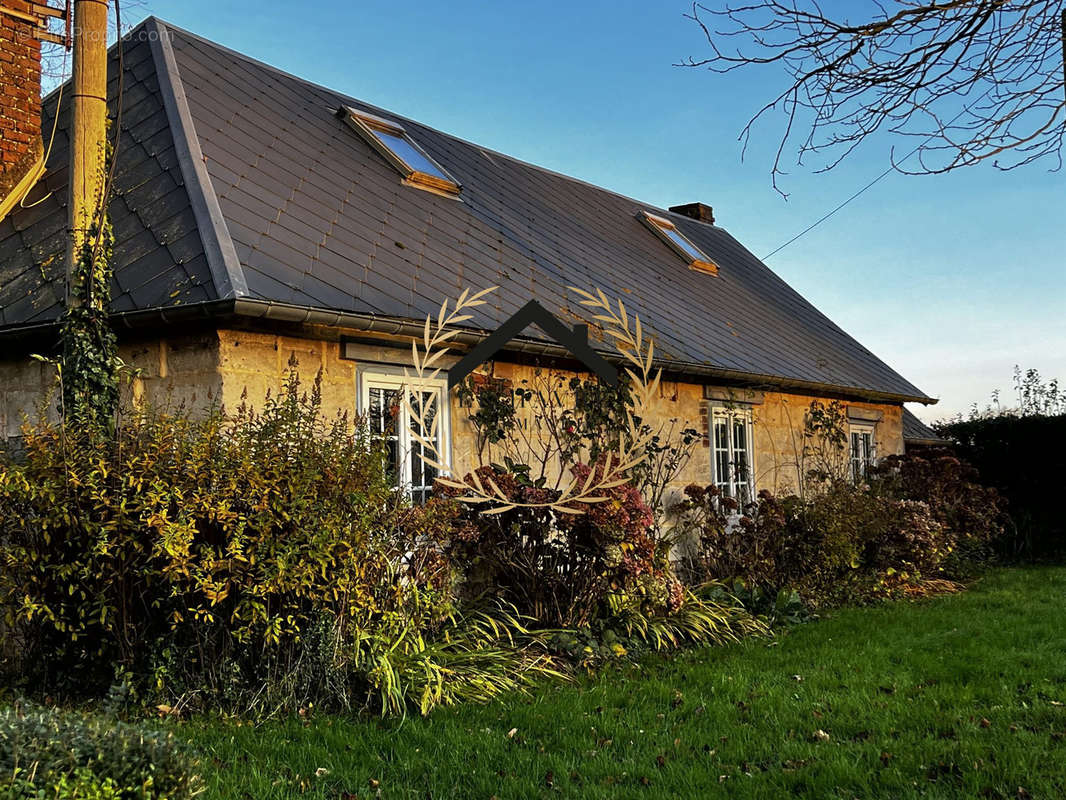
(251, 308)
(922, 441)
(281, 312)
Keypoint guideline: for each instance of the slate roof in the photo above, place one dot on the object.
(917, 432)
(158, 255)
(240, 191)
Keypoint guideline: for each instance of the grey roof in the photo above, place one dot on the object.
(238, 183)
(158, 255)
(917, 432)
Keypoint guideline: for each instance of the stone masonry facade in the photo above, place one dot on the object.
(229, 366)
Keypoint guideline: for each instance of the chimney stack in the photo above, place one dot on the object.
(697, 211)
(21, 149)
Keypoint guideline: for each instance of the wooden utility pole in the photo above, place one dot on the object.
(88, 129)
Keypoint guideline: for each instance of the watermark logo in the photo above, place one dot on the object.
(575, 340)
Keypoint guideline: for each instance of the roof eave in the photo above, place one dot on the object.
(252, 308)
(265, 309)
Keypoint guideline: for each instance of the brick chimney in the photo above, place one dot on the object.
(696, 211)
(20, 95)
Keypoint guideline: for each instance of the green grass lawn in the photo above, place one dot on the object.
(959, 696)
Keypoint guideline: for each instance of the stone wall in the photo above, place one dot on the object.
(778, 436)
(252, 364)
(27, 388)
(178, 371)
(257, 362)
(226, 366)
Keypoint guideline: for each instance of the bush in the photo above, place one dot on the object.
(1024, 459)
(473, 657)
(554, 567)
(917, 519)
(66, 755)
(231, 560)
(971, 515)
(774, 544)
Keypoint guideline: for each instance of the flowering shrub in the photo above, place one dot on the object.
(775, 543)
(970, 514)
(846, 542)
(556, 567)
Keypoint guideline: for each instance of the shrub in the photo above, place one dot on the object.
(775, 543)
(970, 514)
(231, 560)
(70, 755)
(1023, 458)
(473, 657)
(707, 617)
(559, 568)
(913, 522)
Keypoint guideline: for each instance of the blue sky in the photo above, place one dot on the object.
(951, 279)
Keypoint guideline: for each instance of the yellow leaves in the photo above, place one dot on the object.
(216, 596)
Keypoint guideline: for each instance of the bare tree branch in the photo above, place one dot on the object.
(972, 80)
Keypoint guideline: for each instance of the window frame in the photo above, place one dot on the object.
(392, 381)
(662, 227)
(856, 428)
(365, 124)
(732, 415)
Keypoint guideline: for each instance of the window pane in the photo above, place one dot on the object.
(686, 246)
(721, 472)
(861, 453)
(740, 460)
(383, 411)
(722, 478)
(392, 464)
(422, 474)
(382, 419)
(721, 435)
(409, 154)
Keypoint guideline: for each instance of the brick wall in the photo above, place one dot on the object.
(20, 96)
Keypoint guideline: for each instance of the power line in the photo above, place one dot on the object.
(891, 169)
(815, 224)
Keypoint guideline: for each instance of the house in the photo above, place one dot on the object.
(918, 436)
(258, 217)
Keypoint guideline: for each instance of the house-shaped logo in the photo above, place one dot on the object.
(575, 340)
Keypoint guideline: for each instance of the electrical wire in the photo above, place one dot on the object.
(884, 174)
(51, 138)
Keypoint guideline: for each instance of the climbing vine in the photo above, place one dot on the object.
(89, 364)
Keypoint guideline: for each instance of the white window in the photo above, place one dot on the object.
(397, 147)
(389, 419)
(861, 437)
(732, 465)
(678, 242)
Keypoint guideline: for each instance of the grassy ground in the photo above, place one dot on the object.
(960, 696)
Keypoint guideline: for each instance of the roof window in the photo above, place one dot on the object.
(679, 243)
(395, 145)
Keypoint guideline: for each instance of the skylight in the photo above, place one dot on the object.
(399, 149)
(668, 232)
